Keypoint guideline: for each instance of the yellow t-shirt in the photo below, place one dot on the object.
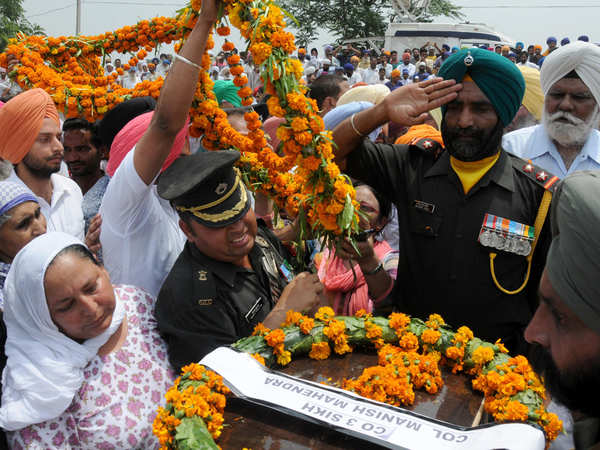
(471, 172)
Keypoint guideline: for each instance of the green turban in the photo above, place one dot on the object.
(227, 91)
(498, 77)
(573, 262)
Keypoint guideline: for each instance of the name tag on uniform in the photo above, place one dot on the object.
(254, 310)
(423, 206)
(506, 235)
(205, 301)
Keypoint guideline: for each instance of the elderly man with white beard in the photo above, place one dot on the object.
(567, 140)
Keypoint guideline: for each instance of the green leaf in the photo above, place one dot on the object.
(347, 213)
(192, 434)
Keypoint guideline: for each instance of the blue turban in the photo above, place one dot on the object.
(565, 41)
(522, 45)
(583, 38)
(497, 77)
(551, 39)
(338, 114)
(348, 66)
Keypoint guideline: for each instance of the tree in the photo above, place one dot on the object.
(13, 21)
(347, 19)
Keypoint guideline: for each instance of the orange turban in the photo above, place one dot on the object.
(21, 120)
(418, 132)
(396, 73)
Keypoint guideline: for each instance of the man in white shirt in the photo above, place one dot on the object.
(567, 140)
(524, 61)
(130, 79)
(140, 233)
(371, 75)
(30, 138)
(406, 65)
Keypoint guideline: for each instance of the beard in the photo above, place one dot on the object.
(39, 167)
(572, 132)
(576, 388)
(472, 144)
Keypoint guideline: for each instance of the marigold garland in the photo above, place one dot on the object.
(410, 352)
(70, 70)
(196, 400)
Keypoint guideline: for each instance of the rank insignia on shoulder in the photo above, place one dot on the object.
(202, 275)
(506, 235)
(205, 301)
(537, 174)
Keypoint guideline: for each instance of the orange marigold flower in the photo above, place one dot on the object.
(324, 314)
(409, 342)
(227, 46)
(435, 321)
(223, 31)
(275, 337)
(320, 350)
(430, 336)
(482, 355)
(261, 330)
(259, 358)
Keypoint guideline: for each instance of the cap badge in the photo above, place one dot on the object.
(221, 188)
(202, 275)
(469, 60)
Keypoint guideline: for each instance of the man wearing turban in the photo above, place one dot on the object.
(565, 329)
(30, 139)
(567, 139)
(445, 205)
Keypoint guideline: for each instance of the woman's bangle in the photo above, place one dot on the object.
(377, 269)
(354, 126)
(187, 61)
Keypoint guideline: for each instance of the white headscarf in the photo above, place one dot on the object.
(44, 369)
(582, 57)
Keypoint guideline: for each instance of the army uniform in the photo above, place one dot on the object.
(443, 267)
(205, 303)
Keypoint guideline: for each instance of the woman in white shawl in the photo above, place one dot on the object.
(86, 366)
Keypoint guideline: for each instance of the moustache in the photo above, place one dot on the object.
(566, 116)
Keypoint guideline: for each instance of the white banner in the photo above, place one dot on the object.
(349, 413)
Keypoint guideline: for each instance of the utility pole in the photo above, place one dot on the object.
(78, 19)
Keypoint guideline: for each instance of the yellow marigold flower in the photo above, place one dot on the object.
(299, 124)
(435, 321)
(324, 314)
(482, 355)
(320, 350)
(284, 358)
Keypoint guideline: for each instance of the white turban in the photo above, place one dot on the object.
(582, 57)
(374, 93)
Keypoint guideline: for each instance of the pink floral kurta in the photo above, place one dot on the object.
(117, 403)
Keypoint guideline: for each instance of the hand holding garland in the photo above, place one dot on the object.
(378, 280)
(175, 99)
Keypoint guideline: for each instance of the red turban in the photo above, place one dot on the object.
(129, 136)
(21, 120)
(418, 132)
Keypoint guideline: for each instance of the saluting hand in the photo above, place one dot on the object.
(409, 104)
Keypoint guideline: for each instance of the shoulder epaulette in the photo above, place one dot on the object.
(428, 147)
(535, 173)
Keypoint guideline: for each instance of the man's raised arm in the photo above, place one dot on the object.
(407, 106)
(175, 98)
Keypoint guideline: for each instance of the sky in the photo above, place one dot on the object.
(528, 21)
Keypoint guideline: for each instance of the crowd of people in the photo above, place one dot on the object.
(128, 251)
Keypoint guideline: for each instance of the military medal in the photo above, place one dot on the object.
(506, 235)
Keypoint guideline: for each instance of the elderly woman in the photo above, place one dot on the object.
(86, 366)
(21, 220)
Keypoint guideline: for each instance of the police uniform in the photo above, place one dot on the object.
(205, 303)
(443, 267)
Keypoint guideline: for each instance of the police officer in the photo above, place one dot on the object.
(232, 273)
(472, 234)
